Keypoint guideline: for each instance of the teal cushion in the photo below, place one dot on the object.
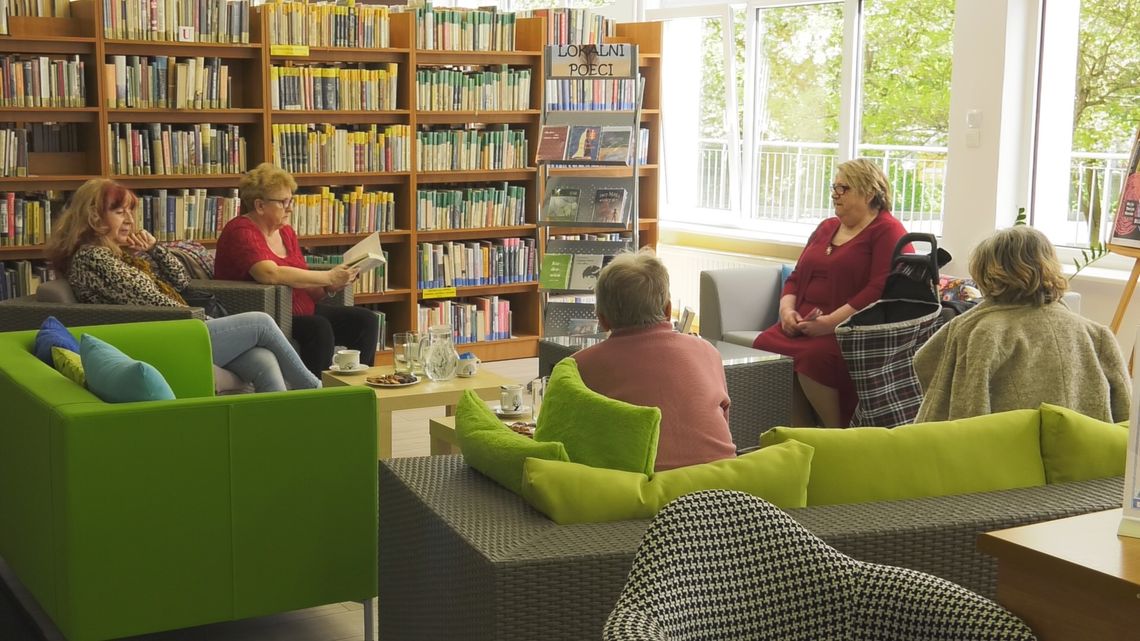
(53, 334)
(862, 464)
(117, 378)
(597, 430)
(574, 493)
(1076, 447)
(493, 448)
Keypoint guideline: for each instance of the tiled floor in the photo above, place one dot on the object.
(337, 621)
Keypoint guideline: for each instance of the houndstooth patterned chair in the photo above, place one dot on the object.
(728, 565)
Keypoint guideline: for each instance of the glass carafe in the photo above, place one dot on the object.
(439, 356)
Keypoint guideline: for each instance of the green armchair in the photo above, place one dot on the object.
(123, 519)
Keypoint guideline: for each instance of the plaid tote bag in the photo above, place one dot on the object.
(880, 358)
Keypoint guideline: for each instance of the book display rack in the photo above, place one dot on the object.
(369, 123)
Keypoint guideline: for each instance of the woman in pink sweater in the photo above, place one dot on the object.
(645, 362)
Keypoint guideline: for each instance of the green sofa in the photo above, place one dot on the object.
(122, 519)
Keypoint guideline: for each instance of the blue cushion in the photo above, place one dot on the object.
(785, 271)
(117, 378)
(53, 334)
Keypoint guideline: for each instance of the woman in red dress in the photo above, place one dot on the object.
(842, 269)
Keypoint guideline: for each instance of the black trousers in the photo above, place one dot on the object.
(332, 325)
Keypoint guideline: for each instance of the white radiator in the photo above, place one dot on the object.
(685, 265)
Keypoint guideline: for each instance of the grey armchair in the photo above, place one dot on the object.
(740, 302)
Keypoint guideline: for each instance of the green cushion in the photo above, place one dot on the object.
(493, 448)
(575, 493)
(979, 454)
(117, 378)
(69, 364)
(1075, 447)
(597, 430)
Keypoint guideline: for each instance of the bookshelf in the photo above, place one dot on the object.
(252, 115)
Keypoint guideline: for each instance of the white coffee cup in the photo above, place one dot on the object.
(347, 359)
(510, 397)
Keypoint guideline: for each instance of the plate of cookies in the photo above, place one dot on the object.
(392, 380)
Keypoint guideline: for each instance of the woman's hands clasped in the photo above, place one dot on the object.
(790, 321)
(141, 241)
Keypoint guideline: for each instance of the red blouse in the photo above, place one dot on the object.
(242, 245)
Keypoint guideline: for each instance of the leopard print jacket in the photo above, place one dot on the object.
(98, 275)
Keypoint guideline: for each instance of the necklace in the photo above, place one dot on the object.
(827, 252)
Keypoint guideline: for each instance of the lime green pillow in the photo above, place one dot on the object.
(1075, 447)
(862, 464)
(597, 430)
(575, 493)
(493, 448)
(69, 364)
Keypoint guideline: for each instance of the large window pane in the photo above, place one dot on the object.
(795, 124)
(1094, 47)
(906, 102)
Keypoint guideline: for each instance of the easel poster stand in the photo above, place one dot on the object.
(1129, 287)
(1126, 229)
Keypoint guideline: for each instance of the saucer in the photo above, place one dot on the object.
(360, 367)
(522, 411)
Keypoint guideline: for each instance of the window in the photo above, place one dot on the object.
(1089, 86)
(817, 82)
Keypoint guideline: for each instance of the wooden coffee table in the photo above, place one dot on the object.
(426, 393)
(1071, 579)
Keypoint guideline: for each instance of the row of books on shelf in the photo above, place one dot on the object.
(576, 205)
(455, 29)
(356, 88)
(596, 94)
(186, 214)
(591, 143)
(163, 149)
(328, 24)
(167, 82)
(24, 220)
(49, 136)
(470, 207)
(498, 88)
(578, 272)
(14, 152)
(22, 277)
(476, 262)
(573, 26)
(326, 148)
(42, 81)
(177, 20)
(350, 211)
(473, 319)
(493, 147)
(371, 281)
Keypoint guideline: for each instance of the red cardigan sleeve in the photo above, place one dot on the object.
(886, 235)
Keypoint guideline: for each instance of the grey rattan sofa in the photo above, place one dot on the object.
(463, 558)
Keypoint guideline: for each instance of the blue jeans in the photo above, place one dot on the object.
(253, 347)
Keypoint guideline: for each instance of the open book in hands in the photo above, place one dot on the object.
(366, 254)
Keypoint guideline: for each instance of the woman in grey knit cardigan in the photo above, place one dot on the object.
(1021, 346)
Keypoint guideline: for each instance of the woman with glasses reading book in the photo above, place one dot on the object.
(260, 245)
(842, 269)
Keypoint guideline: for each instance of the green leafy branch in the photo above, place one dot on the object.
(1095, 252)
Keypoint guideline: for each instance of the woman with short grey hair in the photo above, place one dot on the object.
(645, 362)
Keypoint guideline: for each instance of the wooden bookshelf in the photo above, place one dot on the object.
(249, 68)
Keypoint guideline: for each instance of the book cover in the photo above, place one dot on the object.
(583, 143)
(1126, 230)
(552, 142)
(366, 254)
(584, 273)
(614, 145)
(562, 205)
(582, 327)
(555, 272)
(609, 205)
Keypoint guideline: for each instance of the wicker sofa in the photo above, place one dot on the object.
(461, 557)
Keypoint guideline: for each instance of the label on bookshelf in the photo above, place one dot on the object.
(439, 292)
(288, 50)
(186, 34)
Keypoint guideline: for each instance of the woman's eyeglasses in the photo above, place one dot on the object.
(285, 203)
(839, 190)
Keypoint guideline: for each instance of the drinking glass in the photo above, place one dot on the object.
(402, 346)
(537, 389)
